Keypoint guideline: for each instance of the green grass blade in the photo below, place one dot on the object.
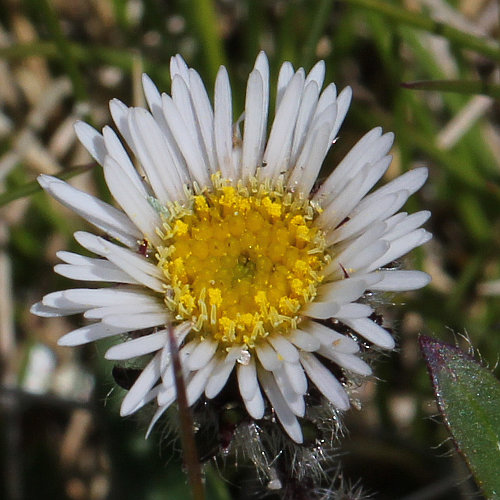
(64, 48)
(468, 396)
(320, 19)
(459, 86)
(33, 186)
(204, 18)
(487, 47)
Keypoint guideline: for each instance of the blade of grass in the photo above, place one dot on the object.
(320, 19)
(459, 86)
(487, 47)
(65, 53)
(88, 54)
(204, 17)
(33, 186)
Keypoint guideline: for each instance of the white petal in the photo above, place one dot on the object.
(363, 260)
(144, 383)
(353, 310)
(406, 225)
(277, 153)
(350, 362)
(90, 333)
(398, 281)
(284, 348)
(255, 406)
(155, 105)
(327, 384)
(148, 397)
(153, 306)
(138, 347)
(247, 379)
(293, 400)
(350, 249)
(255, 122)
(134, 264)
(372, 332)
(343, 291)
(342, 205)
(332, 339)
(94, 270)
(369, 149)
(400, 247)
(137, 321)
(219, 376)
(167, 395)
(287, 419)
(361, 220)
(157, 415)
(154, 155)
(197, 384)
(52, 312)
(147, 344)
(267, 356)
(92, 140)
(107, 296)
(181, 95)
(326, 99)
(202, 354)
(204, 115)
(187, 144)
(285, 76)
(411, 181)
(118, 153)
(296, 376)
(100, 214)
(321, 310)
(119, 112)
(151, 93)
(317, 74)
(179, 67)
(167, 371)
(262, 66)
(304, 118)
(303, 340)
(343, 103)
(223, 119)
(135, 205)
(59, 300)
(311, 158)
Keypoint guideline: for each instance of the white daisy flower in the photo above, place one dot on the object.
(221, 235)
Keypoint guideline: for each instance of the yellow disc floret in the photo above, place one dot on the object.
(240, 262)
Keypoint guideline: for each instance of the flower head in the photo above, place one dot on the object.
(221, 235)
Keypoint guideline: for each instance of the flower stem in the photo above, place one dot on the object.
(190, 458)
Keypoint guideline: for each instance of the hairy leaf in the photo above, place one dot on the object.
(468, 396)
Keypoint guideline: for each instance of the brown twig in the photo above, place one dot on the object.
(190, 454)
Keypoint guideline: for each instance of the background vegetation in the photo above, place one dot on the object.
(60, 60)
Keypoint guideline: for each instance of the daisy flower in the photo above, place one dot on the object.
(221, 233)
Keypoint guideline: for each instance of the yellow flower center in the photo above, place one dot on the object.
(240, 262)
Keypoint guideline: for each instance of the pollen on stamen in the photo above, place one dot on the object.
(241, 261)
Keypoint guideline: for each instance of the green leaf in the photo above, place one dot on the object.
(468, 396)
